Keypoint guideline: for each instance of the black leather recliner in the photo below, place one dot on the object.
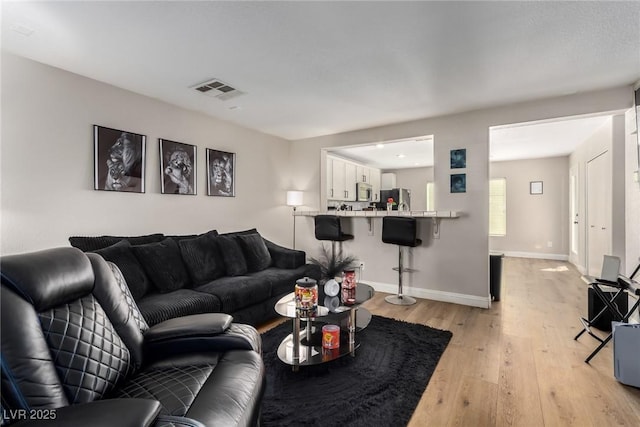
(76, 349)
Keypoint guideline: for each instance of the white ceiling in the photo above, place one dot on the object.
(318, 68)
(400, 154)
(551, 138)
(537, 140)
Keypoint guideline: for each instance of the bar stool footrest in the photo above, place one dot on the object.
(400, 300)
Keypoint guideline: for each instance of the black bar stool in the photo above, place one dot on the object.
(401, 231)
(329, 227)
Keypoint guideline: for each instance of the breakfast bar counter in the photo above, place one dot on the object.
(435, 216)
(382, 213)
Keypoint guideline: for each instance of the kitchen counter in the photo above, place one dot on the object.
(436, 216)
(383, 213)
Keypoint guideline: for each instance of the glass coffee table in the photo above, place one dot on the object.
(304, 347)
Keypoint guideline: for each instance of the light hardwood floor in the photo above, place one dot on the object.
(517, 363)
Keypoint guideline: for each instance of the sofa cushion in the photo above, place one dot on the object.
(238, 292)
(255, 251)
(91, 244)
(163, 263)
(234, 261)
(134, 274)
(213, 388)
(202, 258)
(282, 280)
(156, 307)
(282, 257)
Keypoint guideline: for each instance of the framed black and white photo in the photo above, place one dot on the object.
(119, 160)
(459, 183)
(458, 158)
(535, 187)
(177, 167)
(221, 167)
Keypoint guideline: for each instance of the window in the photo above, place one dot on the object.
(498, 207)
(430, 197)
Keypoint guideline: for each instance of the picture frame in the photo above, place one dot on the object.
(535, 187)
(458, 183)
(221, 167)
(178, 167)
(458, 158)
(119, 159)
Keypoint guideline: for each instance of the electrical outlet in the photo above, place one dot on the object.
(362, 265)
(549, 244)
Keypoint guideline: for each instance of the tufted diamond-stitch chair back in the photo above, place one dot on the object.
(61, 344)
(89, 356)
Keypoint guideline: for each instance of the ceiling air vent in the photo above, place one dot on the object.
(217, 89)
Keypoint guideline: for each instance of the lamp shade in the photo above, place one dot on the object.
(294, 198)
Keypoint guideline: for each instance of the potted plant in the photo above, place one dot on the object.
(390, 204)
(331, 263)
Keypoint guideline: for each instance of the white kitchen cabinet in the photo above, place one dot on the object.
(329, 178)
(342, 176)
(363, 174)
(388, 181)
(338, 180)
(374, 176)
(350, 179)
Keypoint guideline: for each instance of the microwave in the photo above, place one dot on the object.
(363, 192)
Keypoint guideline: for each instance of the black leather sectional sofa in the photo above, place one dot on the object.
(239, 273)
(77, 352)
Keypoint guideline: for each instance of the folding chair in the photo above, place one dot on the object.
(622, 284)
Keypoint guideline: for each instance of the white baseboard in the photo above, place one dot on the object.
(581, 269)
(538, 255)
(455, 298)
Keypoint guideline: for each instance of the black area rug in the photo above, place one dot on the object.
(381, 386)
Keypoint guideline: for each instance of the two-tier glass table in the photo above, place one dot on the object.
(304, 348)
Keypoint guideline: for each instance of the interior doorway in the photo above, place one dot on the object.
(598, 212)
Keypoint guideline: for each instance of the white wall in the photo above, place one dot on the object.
(454, 267)
(535, 220)
(47, 164)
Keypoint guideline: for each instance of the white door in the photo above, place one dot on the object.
(598, 212)
(575, 219)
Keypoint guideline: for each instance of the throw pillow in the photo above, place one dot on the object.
(92, 244)
(134, 274)
(179, 237)
(255, 251)
(239, 233)
(202, 258)
(163, 263)
(232, 254)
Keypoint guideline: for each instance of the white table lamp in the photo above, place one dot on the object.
(294, 199)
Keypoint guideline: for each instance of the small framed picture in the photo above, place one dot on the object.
(221, 167)
(459, 183)
(535, 187)
(119, 160)
(177, 167)
(458, 158)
